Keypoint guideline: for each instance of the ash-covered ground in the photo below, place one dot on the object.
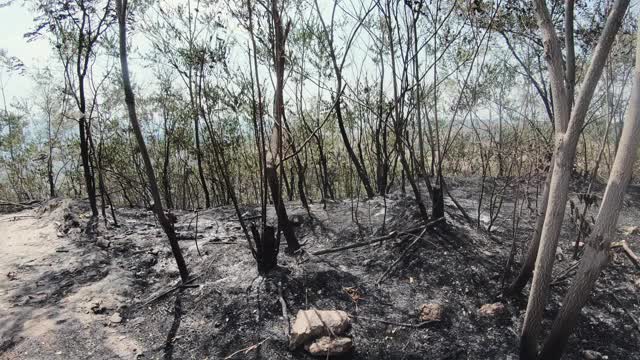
(69, 295)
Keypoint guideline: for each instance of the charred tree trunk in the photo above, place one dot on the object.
(203, 181)
(166, 181)
(275, 156)
(84, 155)
(50, 177)
(437, 198)
(82, 126)
(267, 247)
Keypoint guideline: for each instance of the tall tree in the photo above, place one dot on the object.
(568, 124)
(338, 67)
(77, 27)
(275, 156)
(598, 245)
(167, 226)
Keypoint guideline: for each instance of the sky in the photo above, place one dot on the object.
(15, 20)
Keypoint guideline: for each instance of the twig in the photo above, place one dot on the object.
(329, 330)
(565, 274)
(627, 250)
(619, 244)
(417, 326)
(457, 204)
(285, 313)
(247, 349)
(404, 253)
(27, 204)
(180, 285)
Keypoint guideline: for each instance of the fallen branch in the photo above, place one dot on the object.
(391, 235)
(26, 204)
(404, 253)
(180, 285)
(417, 326)
(247, 349)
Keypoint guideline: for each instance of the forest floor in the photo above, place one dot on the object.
(67, 295)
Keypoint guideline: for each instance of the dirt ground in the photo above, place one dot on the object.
(68, 295)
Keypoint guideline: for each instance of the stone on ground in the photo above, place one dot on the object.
(431, 312)
(593, 355)
(326, 346)
(494, 309)
(311, 324)
(115, 318)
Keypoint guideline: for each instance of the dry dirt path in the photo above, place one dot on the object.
(48, 287)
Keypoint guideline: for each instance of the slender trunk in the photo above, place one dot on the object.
(400, 127)
(570, 72)
(166, 183)
(50, 177)
(300, 169)
(530, 258)
(203, 181)
(360, 169)
(82, 122)
(596, 255)
(568, 127)
(167, 226)
(84, 155)
(418, 99)
(275, 156)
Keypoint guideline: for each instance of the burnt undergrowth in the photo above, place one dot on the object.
(455, 264)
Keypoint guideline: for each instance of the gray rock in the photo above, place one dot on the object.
(115, 318)
(148, 260)
(103, 243)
